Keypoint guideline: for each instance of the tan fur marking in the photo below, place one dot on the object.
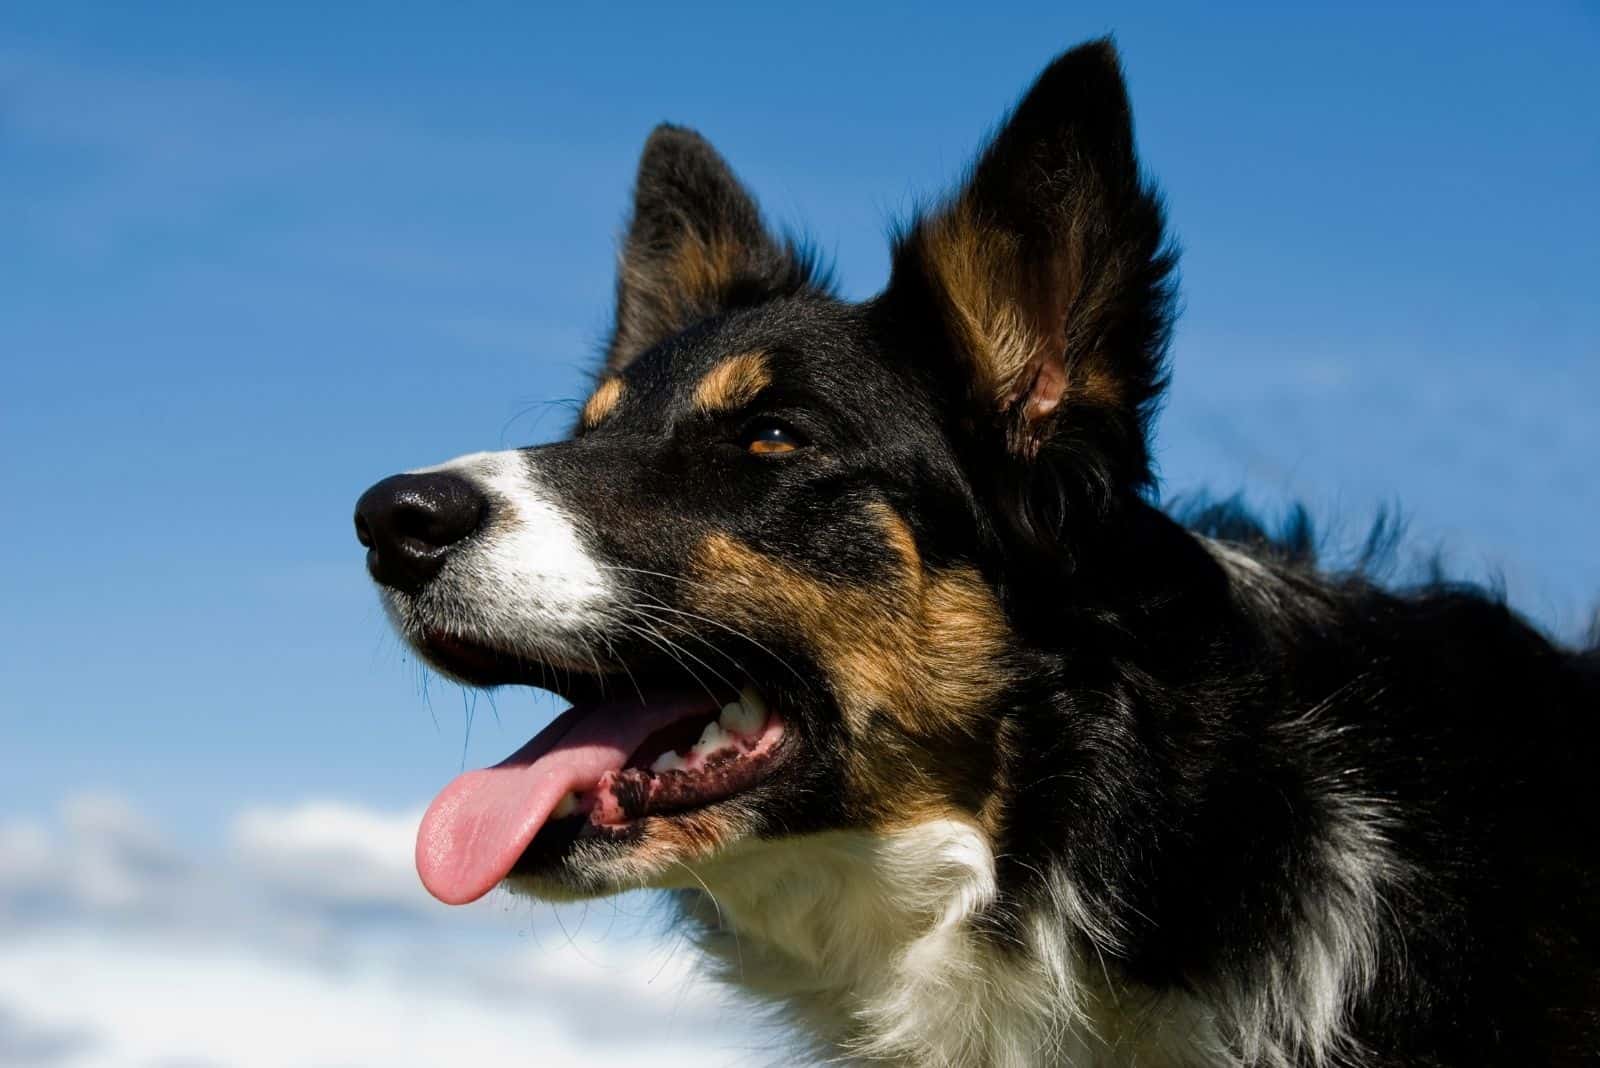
(915, 660)
(977, 266)
(670, 289)
(686, 837)
(733, 382)
(1028, 326)
(928, 651)
(703, 269)
(1097, 385)
(898, 533)
(693, 280)
(601, 403)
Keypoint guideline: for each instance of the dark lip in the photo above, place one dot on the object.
(478, 664)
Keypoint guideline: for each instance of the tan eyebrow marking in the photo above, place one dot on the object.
(732, 382)
(600, 403)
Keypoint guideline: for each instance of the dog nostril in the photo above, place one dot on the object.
(431, 524)
(409, 523)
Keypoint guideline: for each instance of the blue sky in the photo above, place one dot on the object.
(255, 258)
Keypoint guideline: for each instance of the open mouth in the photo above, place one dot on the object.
(600, 768)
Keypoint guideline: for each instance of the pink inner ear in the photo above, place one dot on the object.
(1049, 386)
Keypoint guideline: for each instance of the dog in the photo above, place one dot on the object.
(949, 742)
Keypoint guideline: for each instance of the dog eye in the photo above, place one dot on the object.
(768, 438)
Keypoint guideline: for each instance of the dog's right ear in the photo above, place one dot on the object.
(696, 246)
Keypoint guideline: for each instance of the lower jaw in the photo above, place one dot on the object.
(575, 869)
(656, 852)
(586, 856)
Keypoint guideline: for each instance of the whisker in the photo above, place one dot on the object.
(738, 950)
(657, 606)
(671, 649)
(654, 574)
(679, 646)
(611, 652)
(702, 639)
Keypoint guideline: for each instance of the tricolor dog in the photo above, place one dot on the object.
(882, 658)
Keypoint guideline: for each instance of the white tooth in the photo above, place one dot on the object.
(733, 717)
(567, 806)
(755, 704)
(668, 761)
(736, 719)
(711, 739)
(746, 715)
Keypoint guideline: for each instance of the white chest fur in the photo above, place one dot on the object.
(871, 942)
(875, 944)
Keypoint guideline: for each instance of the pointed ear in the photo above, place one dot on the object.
(1050, 275)
(696, 246)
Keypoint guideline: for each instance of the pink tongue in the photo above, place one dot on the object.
(473, 833)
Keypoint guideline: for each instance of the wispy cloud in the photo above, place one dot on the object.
(332, 853)
(307, 941)
(26, 1042)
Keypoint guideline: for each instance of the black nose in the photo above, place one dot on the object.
(410, 522)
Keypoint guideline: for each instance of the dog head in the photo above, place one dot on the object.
(782, 566)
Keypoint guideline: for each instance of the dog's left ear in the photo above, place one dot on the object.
(1051, 278)
(696, 246)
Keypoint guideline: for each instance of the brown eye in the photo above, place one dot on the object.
(769, 439)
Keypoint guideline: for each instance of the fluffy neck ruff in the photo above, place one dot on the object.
(898, 948)
(877, 943)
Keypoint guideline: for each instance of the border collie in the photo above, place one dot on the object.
(950, 742)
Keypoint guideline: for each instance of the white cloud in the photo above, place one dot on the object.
(139, 1000)
(26, 857)
(309, 942)
(28, 1042)
(104, 858)
(335, 852)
